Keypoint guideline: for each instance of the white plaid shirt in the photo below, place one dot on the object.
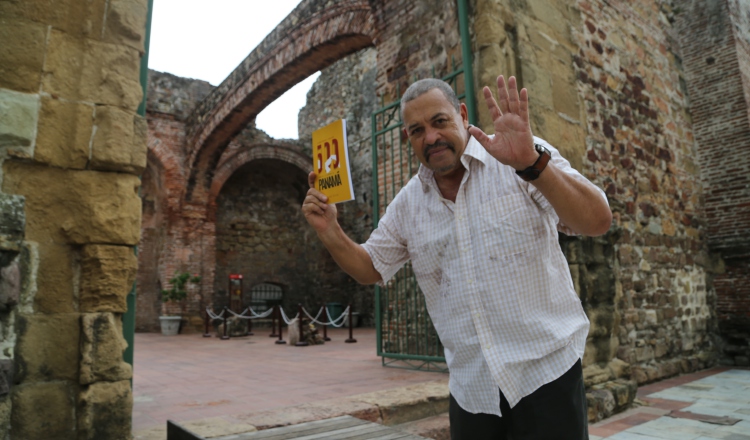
(496, 283)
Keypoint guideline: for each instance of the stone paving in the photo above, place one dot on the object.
(710, 405)
(228, 384)
(223, 387)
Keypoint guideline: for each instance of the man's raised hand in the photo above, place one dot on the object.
(317, 211)
(513, 144)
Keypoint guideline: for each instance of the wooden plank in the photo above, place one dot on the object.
(302, 429)
(346, 433)
(338, 428)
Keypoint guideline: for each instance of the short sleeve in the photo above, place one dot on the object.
(562, 164)
(386, 245)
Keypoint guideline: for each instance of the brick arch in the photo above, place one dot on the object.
(229, 165)
(315, 35)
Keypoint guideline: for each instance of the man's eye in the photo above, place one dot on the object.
(415, 131)
(441, 121)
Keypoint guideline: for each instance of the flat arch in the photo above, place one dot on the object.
(315, 35)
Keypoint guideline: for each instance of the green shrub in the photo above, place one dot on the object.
(178, 290)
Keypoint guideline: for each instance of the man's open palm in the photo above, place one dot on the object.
(513, 144)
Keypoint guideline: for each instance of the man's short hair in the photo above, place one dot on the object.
(423, 86)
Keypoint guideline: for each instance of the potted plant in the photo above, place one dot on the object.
(170, 324)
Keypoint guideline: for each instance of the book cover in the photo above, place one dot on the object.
(331, 162)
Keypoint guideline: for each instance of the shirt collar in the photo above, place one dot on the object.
(474, 150)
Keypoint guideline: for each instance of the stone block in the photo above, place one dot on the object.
(47, 347)
(595, 374)
(19, 114)
(102, 345)
(107, 276)
(43, 411)
(92, 71)
(80, 18)
(12, 227)
(10, 286)
(120, 141)
(7, 369)
(126, 23)
(79, 207)
(619, 368)
(21, 54)
(55, 282)
(552, 13)
(64, 135)
(105, 411)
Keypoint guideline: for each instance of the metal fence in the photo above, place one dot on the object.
(406, 336)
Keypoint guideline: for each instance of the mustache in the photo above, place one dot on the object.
(439, 144)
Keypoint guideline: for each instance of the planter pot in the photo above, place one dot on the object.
(170, 325)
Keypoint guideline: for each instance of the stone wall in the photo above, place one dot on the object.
(607, 88)
(71, 150)
(715, 37)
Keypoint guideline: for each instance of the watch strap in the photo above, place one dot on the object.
(533, 172)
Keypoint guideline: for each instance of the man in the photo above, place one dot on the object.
(479, 222)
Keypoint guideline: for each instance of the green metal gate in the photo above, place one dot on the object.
(405, 335)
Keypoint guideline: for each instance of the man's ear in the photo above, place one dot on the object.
(464, 114)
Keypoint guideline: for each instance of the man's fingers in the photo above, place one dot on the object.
(491, 104)
(315, 197)
(311, 179)
(480, 136)
(513, 101)
(502, 95)
(523, 107)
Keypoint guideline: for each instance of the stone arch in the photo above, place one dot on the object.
(172, 175)
(230, 164)
(312, 37)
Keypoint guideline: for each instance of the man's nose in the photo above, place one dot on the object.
(431, 136)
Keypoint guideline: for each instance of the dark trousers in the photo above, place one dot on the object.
(556, 411)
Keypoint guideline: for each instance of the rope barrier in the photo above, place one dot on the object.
(338, 322)
(255, 315)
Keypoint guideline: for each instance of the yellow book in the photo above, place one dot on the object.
(331, 162)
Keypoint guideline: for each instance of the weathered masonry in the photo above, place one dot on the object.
(72, 147)
(647, 98)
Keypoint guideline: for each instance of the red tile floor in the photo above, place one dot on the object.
(188, 377)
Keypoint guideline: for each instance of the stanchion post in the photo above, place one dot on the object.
(301, 342)
(225, 336)
(325, 327)
(273, 321)
(250, 324)
(280, 319)
(207, 334)
(351, 324)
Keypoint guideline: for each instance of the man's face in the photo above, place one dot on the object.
(438, 133)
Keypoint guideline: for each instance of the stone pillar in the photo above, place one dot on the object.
(71, 148)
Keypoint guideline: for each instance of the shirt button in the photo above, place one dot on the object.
(471, 281)
(461, 217)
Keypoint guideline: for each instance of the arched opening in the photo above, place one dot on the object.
(260, 231)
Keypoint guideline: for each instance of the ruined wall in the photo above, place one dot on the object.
(71, 150)
(715, 36)
(346, 90)
(235, 236)
(605, 88)
(261, 234)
